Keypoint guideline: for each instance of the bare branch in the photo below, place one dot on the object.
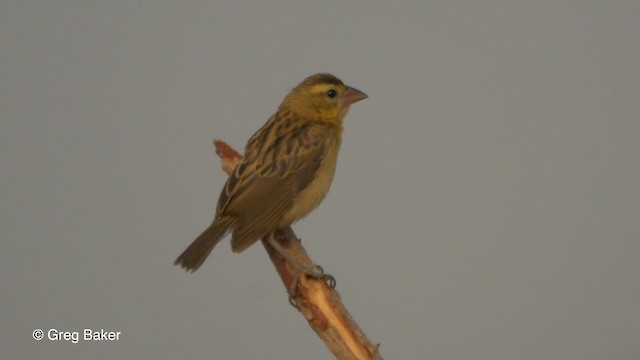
(317, 302)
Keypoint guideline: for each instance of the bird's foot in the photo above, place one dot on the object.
(317, 272)
(314, 272)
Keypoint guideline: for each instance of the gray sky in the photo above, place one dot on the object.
(486, 203)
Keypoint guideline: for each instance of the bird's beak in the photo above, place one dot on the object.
(352, 96)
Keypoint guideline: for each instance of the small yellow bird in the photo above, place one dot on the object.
(286, 171)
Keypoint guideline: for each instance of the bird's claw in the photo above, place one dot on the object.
(293, 302)
(330, 280)
(317, 272)
(314, 272)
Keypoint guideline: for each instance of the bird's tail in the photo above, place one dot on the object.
(193, 257)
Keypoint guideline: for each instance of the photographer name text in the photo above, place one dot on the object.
(76, 336)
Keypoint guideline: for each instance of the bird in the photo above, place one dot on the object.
(286, 171)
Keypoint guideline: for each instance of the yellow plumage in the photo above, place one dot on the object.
(286, 171)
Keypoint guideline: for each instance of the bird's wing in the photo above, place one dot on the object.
(262, 187)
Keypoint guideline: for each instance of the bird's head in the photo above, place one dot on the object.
(323, 97)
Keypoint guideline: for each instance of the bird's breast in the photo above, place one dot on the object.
(311, 196)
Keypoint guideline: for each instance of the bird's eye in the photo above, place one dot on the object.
(332, 93)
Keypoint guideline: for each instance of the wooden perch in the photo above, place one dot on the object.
(317, 302)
